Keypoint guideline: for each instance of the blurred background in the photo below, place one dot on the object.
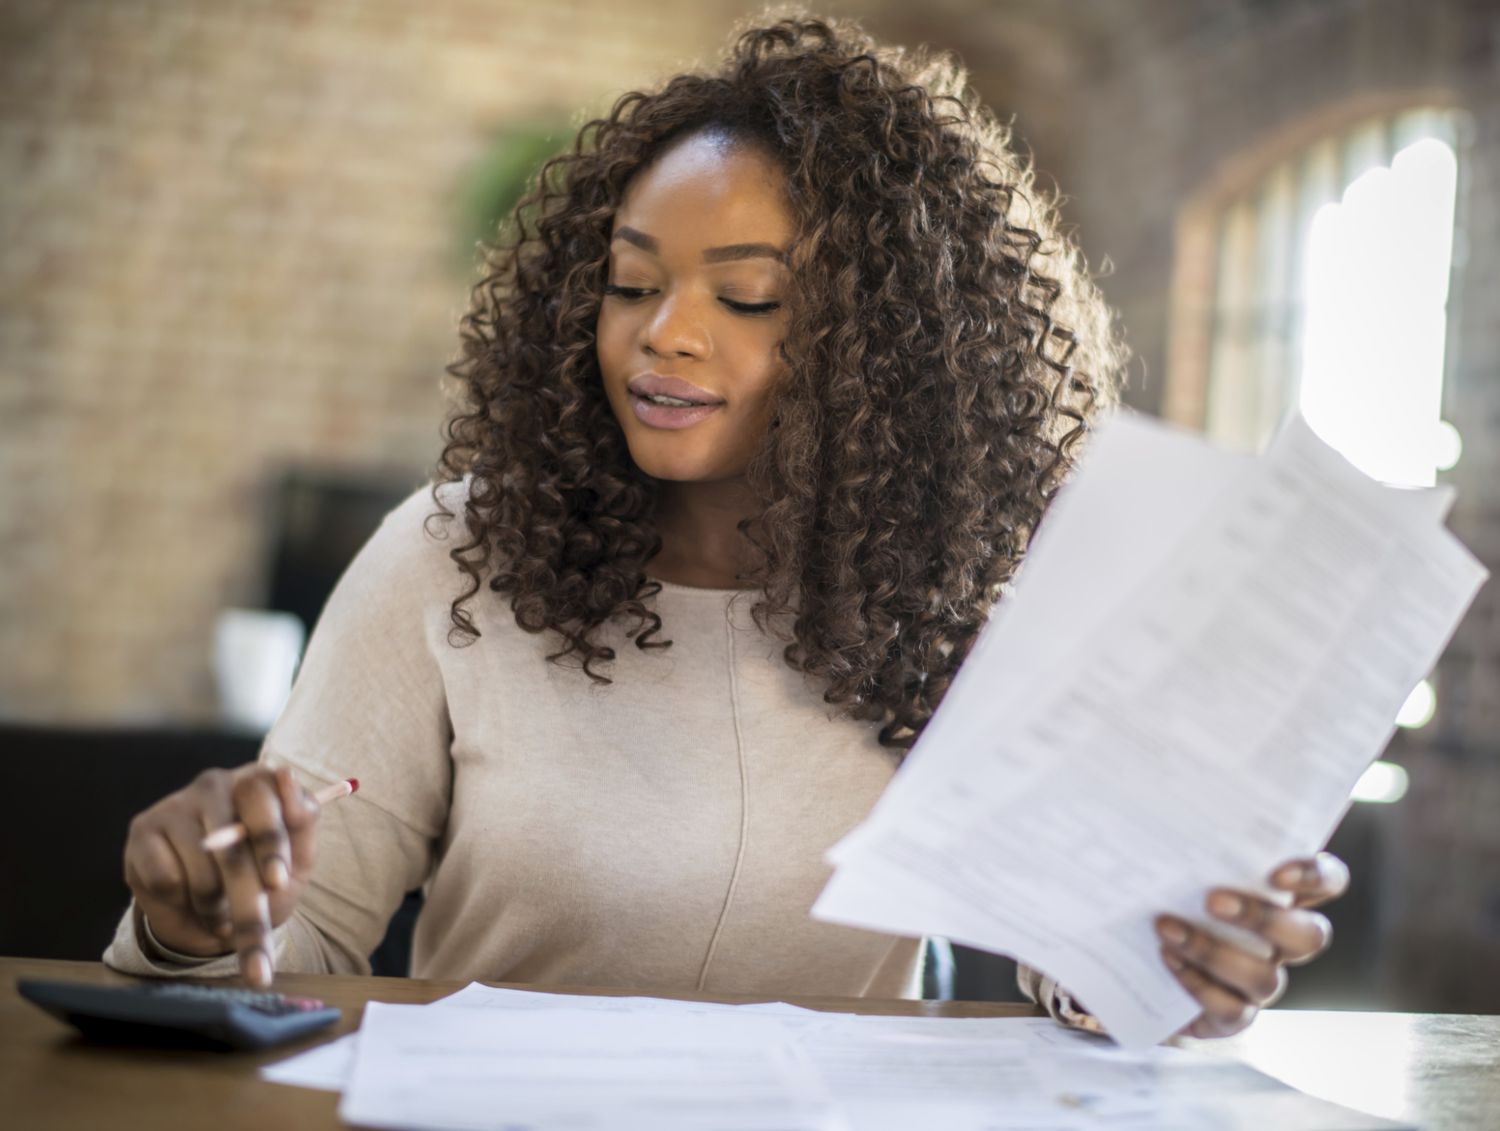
(238, 236)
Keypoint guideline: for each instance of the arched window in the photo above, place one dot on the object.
(1327, 289)
(1319, 279)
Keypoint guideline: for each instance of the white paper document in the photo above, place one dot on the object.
(328, 1066)
(895, 1073)
(1201, 655)
(558, 1070)
(500, 1058)
(460, 1069)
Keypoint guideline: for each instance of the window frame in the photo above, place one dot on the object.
(1197, 262)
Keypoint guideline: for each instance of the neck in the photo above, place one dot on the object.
(700, 544)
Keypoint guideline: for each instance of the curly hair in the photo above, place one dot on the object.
(946, 351)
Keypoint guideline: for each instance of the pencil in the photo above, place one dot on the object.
(233, 834)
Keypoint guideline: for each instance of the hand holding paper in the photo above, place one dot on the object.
(1232, 982)
(1202, 654)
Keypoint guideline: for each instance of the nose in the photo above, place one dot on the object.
(676, 329)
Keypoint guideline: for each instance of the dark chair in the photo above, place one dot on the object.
(69, 796)
(392, 958)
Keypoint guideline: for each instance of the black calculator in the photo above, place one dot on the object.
(180, 1014)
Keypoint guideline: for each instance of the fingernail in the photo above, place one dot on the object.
(263, 908)
(1172, 960)
(1294, 874)
(1225, 905)
(1173, 932)
(276, 872)
(260, 969)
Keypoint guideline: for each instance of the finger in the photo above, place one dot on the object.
(299, 810)
(1283, 979)
(1313, 881)
(257, 803)
(150, 863)
(152, 868)
(1298, 935)
(1224, 1012)
(1252, 977)
(249, 905)
(204, 882)
(250, 910)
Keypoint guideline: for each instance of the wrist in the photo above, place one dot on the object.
(1067, 1010)
(155, 948)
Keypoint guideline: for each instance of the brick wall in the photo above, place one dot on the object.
(228, 246)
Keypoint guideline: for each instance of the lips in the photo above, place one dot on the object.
(654, 384)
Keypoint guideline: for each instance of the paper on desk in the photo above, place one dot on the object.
(1201, 656)
(476, 995)
(328, 1066)
(444, 1069)
(881, 1073)
(325, 1068)
(894, 1073)
(460, 1069)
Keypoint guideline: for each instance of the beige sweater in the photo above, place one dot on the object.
(665, 832)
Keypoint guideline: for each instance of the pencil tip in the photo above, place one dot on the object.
(353, 785)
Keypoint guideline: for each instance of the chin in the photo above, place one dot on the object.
(677, 471)
(683, 465)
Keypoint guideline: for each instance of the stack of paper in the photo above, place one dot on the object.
(1202, 654)
(488, 1058)
(329, 1066)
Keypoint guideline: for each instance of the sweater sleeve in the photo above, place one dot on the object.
(368, 702)
(1058, 1003)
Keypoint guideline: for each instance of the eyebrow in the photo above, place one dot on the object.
(724, 254)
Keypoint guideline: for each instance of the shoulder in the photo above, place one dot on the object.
(430, 515)
(410, 551)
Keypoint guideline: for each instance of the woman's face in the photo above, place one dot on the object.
(694, 294)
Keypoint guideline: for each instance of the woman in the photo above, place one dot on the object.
(765, 391)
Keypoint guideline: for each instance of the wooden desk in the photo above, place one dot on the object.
(1439, 1071)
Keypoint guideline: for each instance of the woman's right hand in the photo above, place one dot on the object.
(211, 903)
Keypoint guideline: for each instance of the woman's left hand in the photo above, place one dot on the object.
(1231, 983)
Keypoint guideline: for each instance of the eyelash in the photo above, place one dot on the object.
(748, 308)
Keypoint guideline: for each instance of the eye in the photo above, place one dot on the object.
(751, 307)
(624, 292)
